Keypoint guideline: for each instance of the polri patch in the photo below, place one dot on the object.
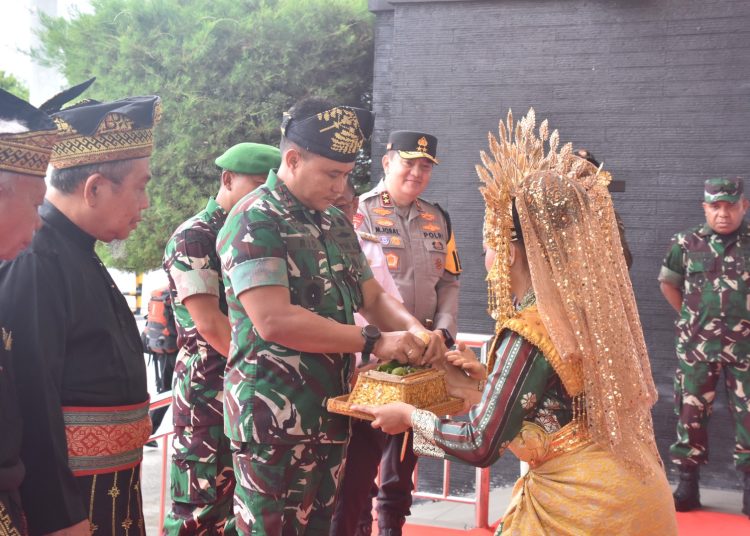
(393, 261)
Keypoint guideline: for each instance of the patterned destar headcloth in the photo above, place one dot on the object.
(94, 132)
(338, 133)
(578, 272)
(26, 136)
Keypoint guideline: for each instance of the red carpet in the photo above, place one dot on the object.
(690, 524)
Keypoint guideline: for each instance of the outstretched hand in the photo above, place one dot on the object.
(392, 418)
(463, 358)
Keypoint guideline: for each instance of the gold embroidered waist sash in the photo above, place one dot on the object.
(105, 439)
(535, 446)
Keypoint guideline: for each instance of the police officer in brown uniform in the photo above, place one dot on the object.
(421, 254)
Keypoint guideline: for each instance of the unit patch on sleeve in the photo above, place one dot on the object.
(357, 220)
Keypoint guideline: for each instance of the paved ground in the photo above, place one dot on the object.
(436, 513)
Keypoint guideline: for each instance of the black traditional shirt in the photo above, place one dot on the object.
(11, 467)
(75, 343)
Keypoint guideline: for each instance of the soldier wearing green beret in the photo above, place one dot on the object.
(202, 476)
(706, 279)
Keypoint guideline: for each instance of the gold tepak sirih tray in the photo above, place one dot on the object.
(424, 390)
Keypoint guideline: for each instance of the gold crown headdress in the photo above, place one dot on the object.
(517, 153)
(578, 272)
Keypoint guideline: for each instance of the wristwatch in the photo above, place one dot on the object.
(371, 334)
(447, 338)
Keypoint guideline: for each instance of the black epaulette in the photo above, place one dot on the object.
(447, 218)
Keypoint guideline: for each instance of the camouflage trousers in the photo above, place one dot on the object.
(695, 391)
(286, 489)
(202, 483)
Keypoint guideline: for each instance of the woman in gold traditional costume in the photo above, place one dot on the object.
(570, 389)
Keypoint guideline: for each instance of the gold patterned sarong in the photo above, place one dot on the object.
(576, 488)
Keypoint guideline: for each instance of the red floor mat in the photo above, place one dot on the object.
(690, 524)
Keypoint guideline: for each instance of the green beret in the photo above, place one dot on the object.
(722, 190)
(250, 159)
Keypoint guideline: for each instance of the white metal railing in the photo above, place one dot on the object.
(480, 500)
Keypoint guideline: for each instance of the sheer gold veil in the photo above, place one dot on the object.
(583, 291)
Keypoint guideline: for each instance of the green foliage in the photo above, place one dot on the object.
(11, 84)
(225, 69)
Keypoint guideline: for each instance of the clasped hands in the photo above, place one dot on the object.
(465, 378)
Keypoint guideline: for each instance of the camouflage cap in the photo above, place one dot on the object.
(722, 189)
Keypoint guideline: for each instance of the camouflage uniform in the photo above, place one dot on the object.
(202, 475)
(713, 333)
(288, 450)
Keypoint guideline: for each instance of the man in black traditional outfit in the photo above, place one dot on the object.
(78, 361)
(26, 139)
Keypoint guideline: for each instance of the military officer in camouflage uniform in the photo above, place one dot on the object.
(294, 275)
(420, 250)
(706, 278)
(202, 477)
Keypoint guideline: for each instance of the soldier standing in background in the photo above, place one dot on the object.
(202, 477)
(706, 279)
(421, 254)
(294, 275)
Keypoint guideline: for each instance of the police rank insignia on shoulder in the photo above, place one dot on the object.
(385, 199)
(7, 339)
(367, 236)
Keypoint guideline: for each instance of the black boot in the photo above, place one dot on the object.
(687, 496)
(746, 496)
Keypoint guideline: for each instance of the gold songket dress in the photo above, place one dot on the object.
(533, 406)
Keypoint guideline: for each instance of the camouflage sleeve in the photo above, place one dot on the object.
(366, 269)
(189, 264)
(673, 268)
(252, 252)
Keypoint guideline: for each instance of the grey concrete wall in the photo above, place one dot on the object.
(657, 89)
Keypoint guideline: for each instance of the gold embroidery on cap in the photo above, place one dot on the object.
(422, 145)
(348, 136)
